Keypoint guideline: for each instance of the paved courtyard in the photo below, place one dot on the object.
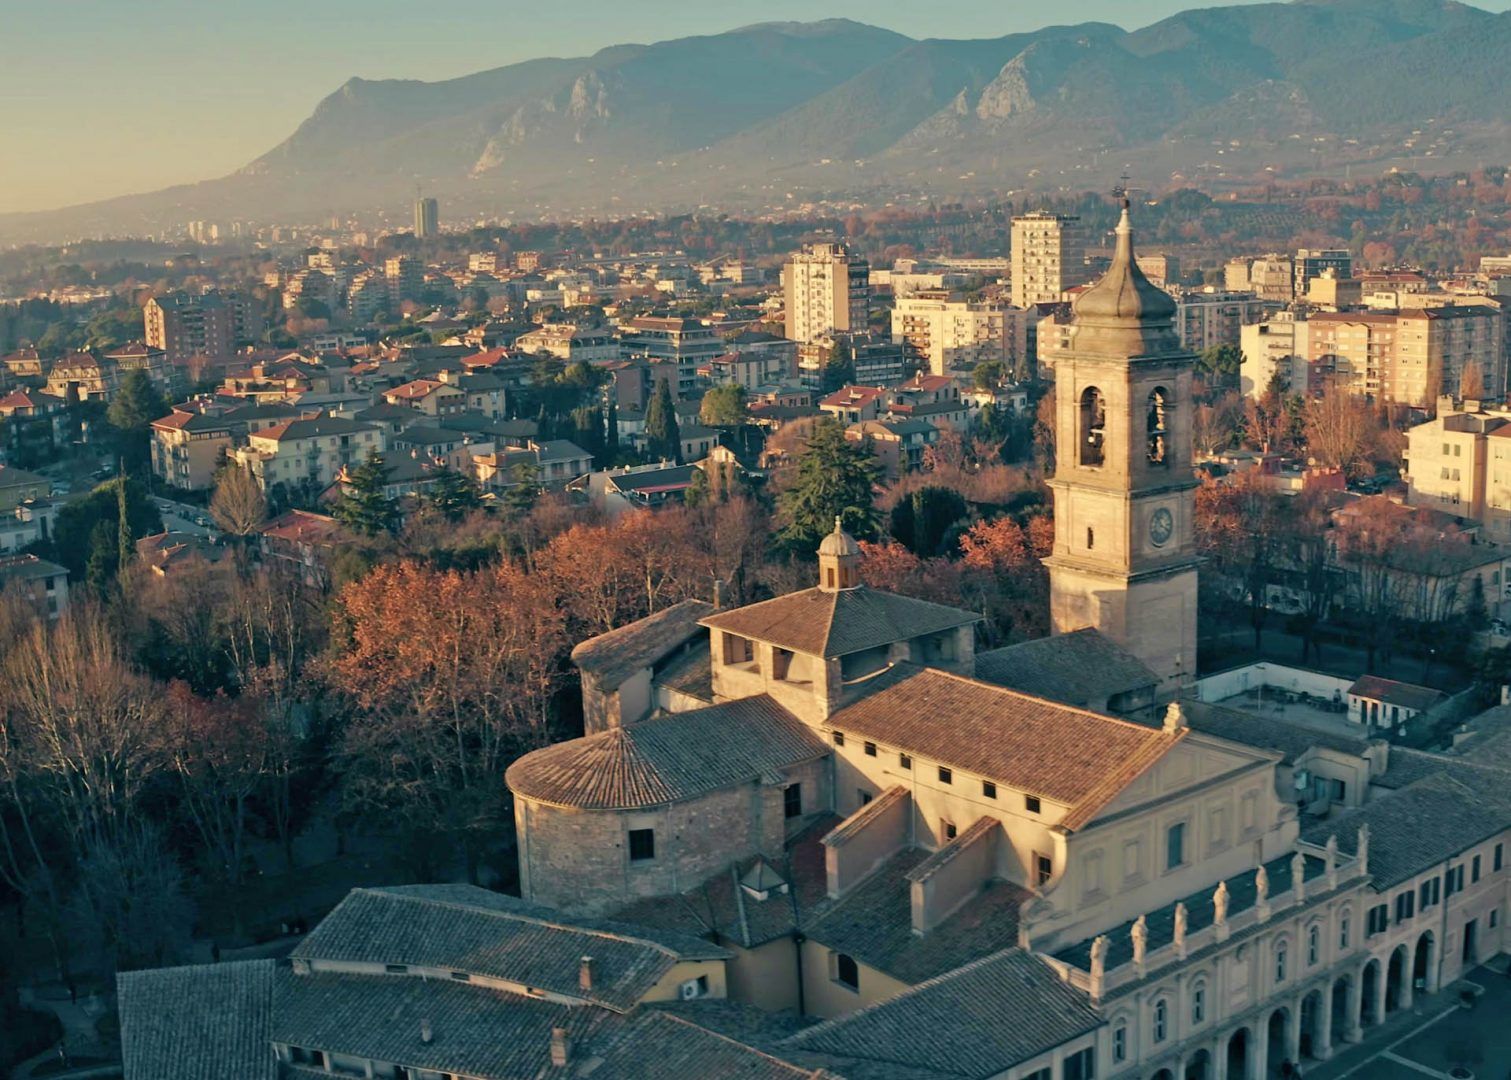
(1435, 1035)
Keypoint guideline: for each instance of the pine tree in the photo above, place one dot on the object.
(835, 477)
(587, 432)
(663, 439)
(521, 495)
(125, 547)
(452, 494)
(364, 507)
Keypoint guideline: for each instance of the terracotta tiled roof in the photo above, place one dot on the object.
(187, 1023)
(469, 929)
(1406, 695)
(979, 1020)
(830, 624)
(618, 654)
(667, 758)
(1072, 756)
(1074, 668)
(659, 1045)
(873, 922)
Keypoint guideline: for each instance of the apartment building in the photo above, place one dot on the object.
(941, 332)
(1410, 357)
(1314, 262)
(183, 325)
(405, 276)
(1049, 256)
(187, 448)
(311, 451)
(1270, 277)
(825, 288)
(1208, 317)
(1278, 345)
(686, 342)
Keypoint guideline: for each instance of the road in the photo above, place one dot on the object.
(183, 518)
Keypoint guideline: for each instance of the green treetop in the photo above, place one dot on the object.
(364, 507)
(835, 477)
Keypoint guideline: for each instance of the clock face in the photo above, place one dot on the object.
(1161, 526)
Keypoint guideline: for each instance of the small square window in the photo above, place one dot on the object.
(870, 749)
(1031, 803)
(988, 789)
(863, 795)
(905, 761)
(949, 830)
(642, 844)
(839, 738)
(946, 775)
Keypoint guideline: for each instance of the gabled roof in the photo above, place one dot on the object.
(474, 1032)
(1406, 695)
(873, 922)
(618, 654)
(179, 420)
(312, 428)
(1075, 668)
(667, 758)
(169, 1033)
(471, 930)
(1079, 758)
(1423, 824)
(976, 1021)
(677, 478)
(659, 1045)
(836, 623)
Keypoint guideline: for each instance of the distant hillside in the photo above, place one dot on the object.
(747, 117)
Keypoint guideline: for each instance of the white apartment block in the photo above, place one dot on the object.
(308, 451)
(826, 288)
(1049, 254)
(942, 333)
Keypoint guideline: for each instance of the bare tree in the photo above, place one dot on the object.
(1471, 381)
(238, 504)
(1339, 429)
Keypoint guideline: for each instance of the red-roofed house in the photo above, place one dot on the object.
(429, 396)
(852, 404)
(187, 447)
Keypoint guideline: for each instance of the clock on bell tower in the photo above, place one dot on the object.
(1125, 559)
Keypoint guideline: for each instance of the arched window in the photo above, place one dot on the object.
(1343, 933)
(1120, 1041)
(1313, 946)
(1280, 959)
(1093, 426)
(1198, 1003)
(1156, 425)
(1161, 1019)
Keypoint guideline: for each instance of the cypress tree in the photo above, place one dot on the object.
(663, 439)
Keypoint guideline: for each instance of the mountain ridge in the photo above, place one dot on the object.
(742, 117)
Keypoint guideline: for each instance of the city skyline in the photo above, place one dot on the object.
(238, 87)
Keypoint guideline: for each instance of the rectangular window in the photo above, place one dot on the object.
(1031, 803)
(642, 844)
(1343, 933)
(792, 801)
(1474, 870)
(1044, 868)
(946, 775)
(839, 738)
(1045, 1073)
(905, 761)
(870, 749)
(1339, 790)
(396, 969)
(1378, 920)
(1495, 863)
(863, 796)
(461, 976)
(1175, 845)
(1120, 1043)
(1081, 1065)
(1405, 906)
(988, 789)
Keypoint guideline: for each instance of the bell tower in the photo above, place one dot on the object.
(1125, 559)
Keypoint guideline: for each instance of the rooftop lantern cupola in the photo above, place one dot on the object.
(838, 561)
(1124, 313)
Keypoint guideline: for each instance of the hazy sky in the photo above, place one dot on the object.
(104, 97)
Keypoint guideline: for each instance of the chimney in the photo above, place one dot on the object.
(426, 1035)
(561, 1047)
(585, 973)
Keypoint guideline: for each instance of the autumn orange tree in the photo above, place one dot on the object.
(450, 676)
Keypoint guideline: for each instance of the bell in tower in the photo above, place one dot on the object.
(1124, 560)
